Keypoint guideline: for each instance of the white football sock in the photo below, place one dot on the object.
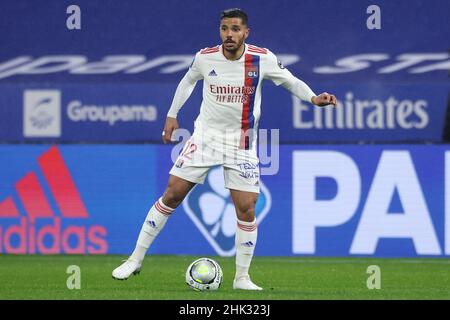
(153, 224)
(246, 236)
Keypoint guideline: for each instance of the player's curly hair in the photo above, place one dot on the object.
(234, 13)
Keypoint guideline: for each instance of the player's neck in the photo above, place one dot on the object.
(234, 55)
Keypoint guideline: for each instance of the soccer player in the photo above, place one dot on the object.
(227, 125)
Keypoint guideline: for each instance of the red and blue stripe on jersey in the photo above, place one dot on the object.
(251, 79)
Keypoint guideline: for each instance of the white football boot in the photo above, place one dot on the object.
(126, 269)
(244, 283)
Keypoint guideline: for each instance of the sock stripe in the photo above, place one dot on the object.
(161, 209)
(248, 228)
(161, 203)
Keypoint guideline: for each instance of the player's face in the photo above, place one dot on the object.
(233, 33)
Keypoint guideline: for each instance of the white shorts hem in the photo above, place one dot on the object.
(186, 177)
(244, 188)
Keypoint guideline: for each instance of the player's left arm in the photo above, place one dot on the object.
(276, 72)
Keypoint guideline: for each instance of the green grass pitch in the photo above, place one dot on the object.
(162, 278)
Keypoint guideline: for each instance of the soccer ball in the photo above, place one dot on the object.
(204, 274)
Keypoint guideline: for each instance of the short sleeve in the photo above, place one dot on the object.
(275, 71)
(194, 71)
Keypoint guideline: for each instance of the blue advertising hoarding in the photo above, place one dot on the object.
(136, 113)
(85, 113)
(114, 81)
(148, 41)
(350, 200)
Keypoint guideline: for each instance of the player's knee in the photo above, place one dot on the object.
(172, 197)
(246, 211)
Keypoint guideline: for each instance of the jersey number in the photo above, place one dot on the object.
(188, 150)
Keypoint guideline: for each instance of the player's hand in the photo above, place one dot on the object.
(324, 99)
(170, 126)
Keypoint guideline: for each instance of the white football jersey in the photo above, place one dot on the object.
(232, 91)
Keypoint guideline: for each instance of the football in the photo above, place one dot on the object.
(204, 274)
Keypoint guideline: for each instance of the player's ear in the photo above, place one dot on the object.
(247, 32)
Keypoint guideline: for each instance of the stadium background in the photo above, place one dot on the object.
(87, 106)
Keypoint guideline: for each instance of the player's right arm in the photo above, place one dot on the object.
(183, 92)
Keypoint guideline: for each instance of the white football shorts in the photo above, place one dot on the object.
(200, 154)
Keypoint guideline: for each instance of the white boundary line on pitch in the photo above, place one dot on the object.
(355, 260)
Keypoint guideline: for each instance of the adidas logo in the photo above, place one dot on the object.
(212, 73)
(152, 224)
(35, 234)
(247, 244)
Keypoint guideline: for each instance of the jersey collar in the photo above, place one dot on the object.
(240, 58)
